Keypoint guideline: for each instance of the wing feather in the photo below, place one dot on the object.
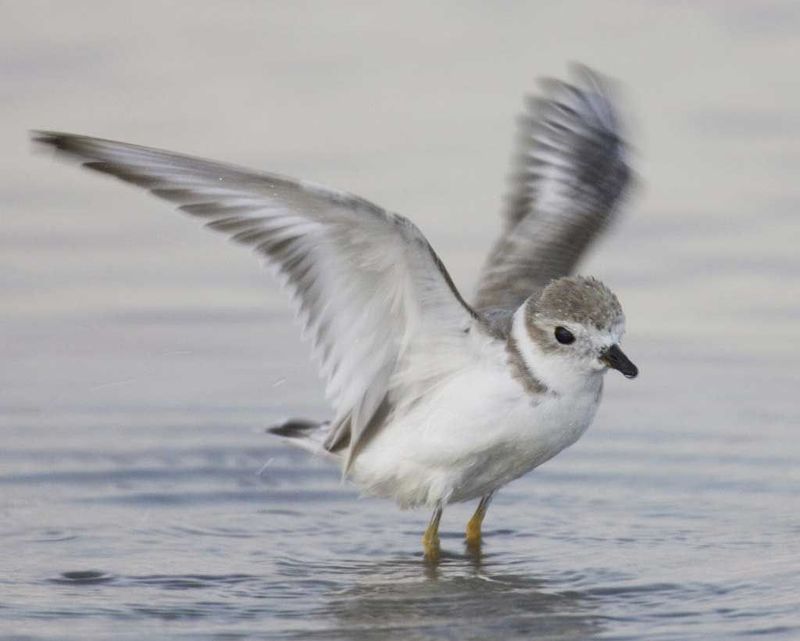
(368, 288)
(568, 178)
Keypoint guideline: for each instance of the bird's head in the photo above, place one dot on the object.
(572, 329)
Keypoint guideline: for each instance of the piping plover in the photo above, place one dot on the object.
(435, 400)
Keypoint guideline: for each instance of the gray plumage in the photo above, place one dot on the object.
(569, 176)
(578, 299)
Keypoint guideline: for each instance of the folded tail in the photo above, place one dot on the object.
(306, 434)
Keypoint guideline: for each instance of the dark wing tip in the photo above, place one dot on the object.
(66, 146)
(294, 428)
(53, 139)
(44, 136)
(44, 141)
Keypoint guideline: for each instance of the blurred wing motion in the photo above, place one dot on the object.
(371, 293)
(569, 176)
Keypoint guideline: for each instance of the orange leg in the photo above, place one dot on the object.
(473, 533)
(430, 540)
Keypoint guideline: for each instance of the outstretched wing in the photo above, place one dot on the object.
(569, 176)
(368, 288)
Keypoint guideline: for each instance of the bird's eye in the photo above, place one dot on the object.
(564, 336)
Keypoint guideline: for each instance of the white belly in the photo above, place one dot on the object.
(472, 436)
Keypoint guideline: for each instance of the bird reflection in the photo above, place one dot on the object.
(465, 596)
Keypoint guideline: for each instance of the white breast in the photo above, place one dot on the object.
(474, 434)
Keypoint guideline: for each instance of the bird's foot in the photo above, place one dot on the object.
(430, 540)
(473, 531)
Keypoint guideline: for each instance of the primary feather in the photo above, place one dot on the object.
(569, 176)
(369, 290)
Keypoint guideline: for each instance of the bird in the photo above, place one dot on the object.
(435, 400)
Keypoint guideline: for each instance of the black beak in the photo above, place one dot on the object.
(616, 359)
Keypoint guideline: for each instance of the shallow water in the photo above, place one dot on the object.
(191, 523)
(142, 358)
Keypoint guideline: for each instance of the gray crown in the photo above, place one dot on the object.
(578, 299)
